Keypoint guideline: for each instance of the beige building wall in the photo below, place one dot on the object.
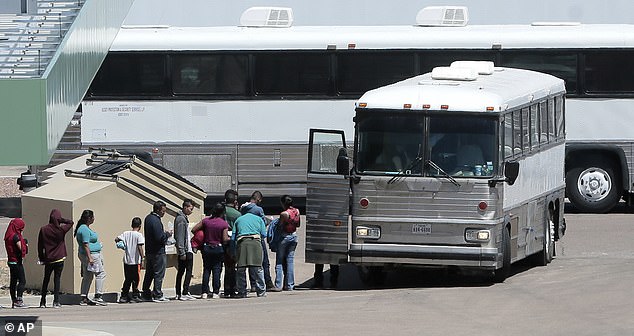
(114, 206)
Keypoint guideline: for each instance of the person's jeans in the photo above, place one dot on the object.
(212, 263)
(52, 268)
(255, 272)
(230, 271)
(88, 276)
(154, 271)
(284, 262)
(18, 279)
(184, 267)
(131, 274)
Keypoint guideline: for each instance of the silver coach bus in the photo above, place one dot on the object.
(463, 166)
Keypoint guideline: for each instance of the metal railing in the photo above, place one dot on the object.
(28, 42)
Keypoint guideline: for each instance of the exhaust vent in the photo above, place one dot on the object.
(277, 17)
(443, 16)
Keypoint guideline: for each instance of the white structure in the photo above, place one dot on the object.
(242, 99)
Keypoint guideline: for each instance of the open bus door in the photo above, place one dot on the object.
(327, 198)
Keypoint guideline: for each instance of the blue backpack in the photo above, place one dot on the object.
(274, 235)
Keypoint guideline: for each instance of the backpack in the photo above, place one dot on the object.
(293, 220)
(274, 235)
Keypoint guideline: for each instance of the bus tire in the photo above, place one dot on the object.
(545, 256)
(500, 274)
(594, 185)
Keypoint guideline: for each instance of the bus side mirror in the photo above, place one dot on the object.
(343, 164)
(511, 171)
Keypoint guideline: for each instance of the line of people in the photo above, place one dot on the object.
(232, 236)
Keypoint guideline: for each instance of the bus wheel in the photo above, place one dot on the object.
(593, 186)
(545, 256)
(500, 274)
(371, 276)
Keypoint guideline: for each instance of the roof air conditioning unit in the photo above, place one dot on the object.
(481, 67)
(443, 16)
(278, 17)
(456, 74)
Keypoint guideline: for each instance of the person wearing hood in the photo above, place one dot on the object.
(51, 251)
(17, 249)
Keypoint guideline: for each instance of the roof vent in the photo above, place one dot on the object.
(443, 16)
(451, 73)
(278, 17)
(481, 67)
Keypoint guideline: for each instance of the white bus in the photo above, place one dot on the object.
(463, 166)
(229, 107)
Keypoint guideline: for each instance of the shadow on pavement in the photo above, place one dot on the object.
(411, 277)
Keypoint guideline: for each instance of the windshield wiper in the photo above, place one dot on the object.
(444, 173)
(409, 168)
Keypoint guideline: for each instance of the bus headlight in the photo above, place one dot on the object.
(477, 235)
(365, 232)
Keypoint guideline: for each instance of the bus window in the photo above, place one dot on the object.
(534, 130)
(545, 132)
(358, 72)
(609, 72)
(526, 140)
(508, 136)
(431, 59)
(558, 64)
(517, 133)
(292, 73)
(130, 74)
(390, 144)
(459, 144)
(209, 74)
(559, 117)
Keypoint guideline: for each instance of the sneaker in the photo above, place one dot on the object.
(161, 299)
(136, 299)
(214, 296)
(274, 289)
(263, 294)
(99, 301)
(19, 305)
(177, 298)
(86, 302)
(124, 299)
(57, 305)
(42, 304)
(203, 296)
(186, 297)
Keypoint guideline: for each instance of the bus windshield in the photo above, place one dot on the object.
(461, 146)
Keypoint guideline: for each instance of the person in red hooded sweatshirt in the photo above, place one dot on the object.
(17, 249)
(51, 251)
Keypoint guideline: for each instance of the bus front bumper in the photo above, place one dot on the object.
(423, 255)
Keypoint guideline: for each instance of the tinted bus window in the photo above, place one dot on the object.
(360, 72)
(432, 59)
(130, 74)
(558, 64)
(209, 74)
(292, 73)
(609, 72)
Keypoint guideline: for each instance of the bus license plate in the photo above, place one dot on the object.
(421, 228)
